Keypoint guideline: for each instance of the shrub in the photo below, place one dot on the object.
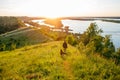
(71, 40)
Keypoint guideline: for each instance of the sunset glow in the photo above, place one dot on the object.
(58, 8)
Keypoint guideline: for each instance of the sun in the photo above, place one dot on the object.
(53, 15)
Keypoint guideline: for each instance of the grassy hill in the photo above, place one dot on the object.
(22, 36)
(44, 62)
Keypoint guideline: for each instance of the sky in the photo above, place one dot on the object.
(59, 8)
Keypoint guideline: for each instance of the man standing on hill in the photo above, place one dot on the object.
(65, 46)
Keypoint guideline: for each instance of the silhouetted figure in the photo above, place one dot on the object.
(62, 53)
(65, 46)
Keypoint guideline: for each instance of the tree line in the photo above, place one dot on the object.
(9, 23)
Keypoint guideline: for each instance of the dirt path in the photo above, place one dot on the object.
(68, 70)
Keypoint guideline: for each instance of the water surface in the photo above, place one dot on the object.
(79, 26)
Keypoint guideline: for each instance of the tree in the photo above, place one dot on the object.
(96, 43)
(90, 33)
(9, 24)
(2, 46)
(116, 56)
(109, 48)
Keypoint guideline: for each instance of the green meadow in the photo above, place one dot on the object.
(44, 62)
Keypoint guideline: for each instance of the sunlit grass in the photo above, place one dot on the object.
(43, 61)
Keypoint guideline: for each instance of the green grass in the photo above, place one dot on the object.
(44, 62)
(15, 31)
(26, 33)
(55, 35)
(22, 37)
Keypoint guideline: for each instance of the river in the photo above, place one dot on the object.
(109, 28)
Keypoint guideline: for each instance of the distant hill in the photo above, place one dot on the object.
(22, 37)
(44, 62)
(9, 23)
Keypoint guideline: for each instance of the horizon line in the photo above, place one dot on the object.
(58, 17)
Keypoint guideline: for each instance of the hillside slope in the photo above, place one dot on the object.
(44, 62)
(23, 36)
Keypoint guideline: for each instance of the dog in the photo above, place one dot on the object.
(62, 53)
